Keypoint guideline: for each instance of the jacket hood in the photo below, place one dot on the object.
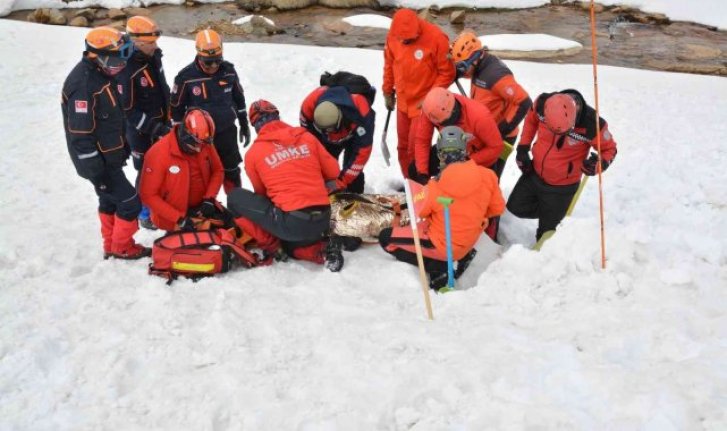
(457, 180)
(277, 130)
(405, 25)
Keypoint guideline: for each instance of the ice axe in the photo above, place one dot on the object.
(384, 147)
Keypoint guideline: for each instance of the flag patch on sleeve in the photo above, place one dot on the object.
(81, 107)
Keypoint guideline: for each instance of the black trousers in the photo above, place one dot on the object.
(116, 195)
(140, 144)
(299, 228)
(430, 265)
(226, 145)
(532, 198)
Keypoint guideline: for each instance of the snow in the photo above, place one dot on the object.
(248, 18)
(369, 20)
(527, 42)
(535, 341)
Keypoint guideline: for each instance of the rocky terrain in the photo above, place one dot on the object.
(625, 37)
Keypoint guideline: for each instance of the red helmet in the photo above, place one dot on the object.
(560, 113)
(197, 129)
(261, 112)
(438, 105)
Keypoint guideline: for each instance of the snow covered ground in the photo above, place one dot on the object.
(710, 12)
(535, 341)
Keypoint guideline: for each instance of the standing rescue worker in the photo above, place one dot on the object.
(182, 171)
(94, 122)
(415, 60)
(493, 85)
(145, 93)
(288, 168)
(566, 132)
(211, 83)
(343, 122)
(476, 197)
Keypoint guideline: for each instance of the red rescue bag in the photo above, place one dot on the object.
(199, 254)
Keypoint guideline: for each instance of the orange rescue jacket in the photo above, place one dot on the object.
(476, 197)
(413, 69)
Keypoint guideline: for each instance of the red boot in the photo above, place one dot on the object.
(107, 230)
(312, 253)
(123, 245)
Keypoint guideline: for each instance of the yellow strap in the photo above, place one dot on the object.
(506, 150)
(196, 267)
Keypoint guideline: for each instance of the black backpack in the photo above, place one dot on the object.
(355, 84)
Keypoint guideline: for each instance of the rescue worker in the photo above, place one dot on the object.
(211, 83)
(476, 197)
(182, 174)
(344, 123)
(565, 127)
(146, 95)
(442, 108)
(94, 123)
(288, 168)
(416, 59)
(493, 85)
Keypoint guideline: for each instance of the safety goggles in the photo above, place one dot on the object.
(191, 142)
(210, 61)
(151, 36)
(123, 49)
(465, 65)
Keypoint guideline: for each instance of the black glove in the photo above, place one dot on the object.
(523, 159)
(244, 132)
(160, 129)
(589, 165)
(421, 178)
(208, 208)
(185, 224)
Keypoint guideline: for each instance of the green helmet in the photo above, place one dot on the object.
(452, 145)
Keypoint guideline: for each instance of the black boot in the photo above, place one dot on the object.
(351, 243)
(437, 280)
(463, 263)
(334, 255)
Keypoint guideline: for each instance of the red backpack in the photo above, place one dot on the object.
(199, 254)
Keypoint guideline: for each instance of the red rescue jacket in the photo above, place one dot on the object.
(557, 159)
(476, 197)
(484, 147)
(290, 166)
(165, 179)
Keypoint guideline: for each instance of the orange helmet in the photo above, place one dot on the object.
(109, 48)
(464, 46)
(208, 43)
(559, 113)
(438, 105)
(142, 28)
(197, 128)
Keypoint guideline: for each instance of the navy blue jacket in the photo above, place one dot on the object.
(94, 120)
(145, 91)
(219, 94)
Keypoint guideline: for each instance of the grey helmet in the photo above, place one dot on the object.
(452, 145)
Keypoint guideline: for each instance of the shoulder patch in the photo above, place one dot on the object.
(81, 107)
